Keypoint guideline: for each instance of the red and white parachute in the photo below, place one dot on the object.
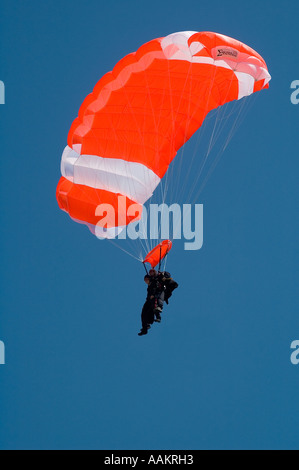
(130, 128)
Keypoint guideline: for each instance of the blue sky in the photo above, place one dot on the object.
(216, 373)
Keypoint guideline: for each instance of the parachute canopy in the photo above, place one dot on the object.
(138, 116)
(156, 255)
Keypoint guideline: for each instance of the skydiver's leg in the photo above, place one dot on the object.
(145, 318)
(150, 314)
(160, 302)
(169, 289)
(159, 306)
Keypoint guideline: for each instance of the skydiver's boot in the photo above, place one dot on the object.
(157, 313)
(157, 310)
(143, 331)
(158, 316)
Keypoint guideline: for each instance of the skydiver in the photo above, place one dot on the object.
(156, 292)
(160, 288)
(153, 306)
(147, 314)
(169, 284)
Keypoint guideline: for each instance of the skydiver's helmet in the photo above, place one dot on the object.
(147, 278)
(153, 272)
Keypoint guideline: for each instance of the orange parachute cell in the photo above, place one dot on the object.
(81, 203)
(155, 256)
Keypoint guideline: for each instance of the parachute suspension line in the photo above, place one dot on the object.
(122, 249)
(216, 132)
(160, 257)
(200, 134)
(205, 156)
(243, 108)
(165, 262)
(143, 247)
(210, 144)
(246, 105)
(145, 268)
(237, 122)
